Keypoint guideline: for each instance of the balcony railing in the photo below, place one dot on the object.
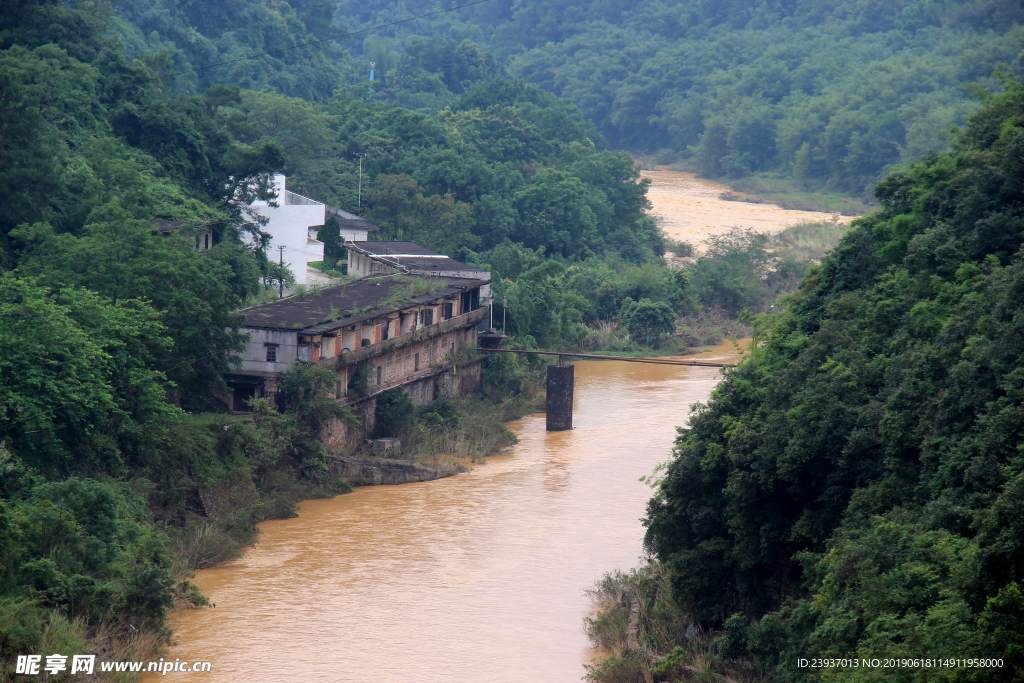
(357, 355)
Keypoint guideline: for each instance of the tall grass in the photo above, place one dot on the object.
(661, 623)
(27, 627)
(808, 241)
(207, 543)
(476, 431)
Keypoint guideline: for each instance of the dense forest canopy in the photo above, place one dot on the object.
(829, 93)
(114, 336)
(854, 488)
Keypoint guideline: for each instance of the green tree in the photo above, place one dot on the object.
(330, 235)
(646, 319)
(852, 489)
(394, 412)
(126, 259)
(83, 547)
(309, 394)
(400, 208)
(555, 213)
(76, 371)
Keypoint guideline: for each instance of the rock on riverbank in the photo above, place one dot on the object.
(383, 471)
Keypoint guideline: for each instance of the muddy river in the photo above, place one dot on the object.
(691, 210)
(478, 577)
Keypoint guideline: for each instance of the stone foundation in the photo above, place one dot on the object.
(380, 471)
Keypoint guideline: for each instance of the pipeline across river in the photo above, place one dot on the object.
(478, 577)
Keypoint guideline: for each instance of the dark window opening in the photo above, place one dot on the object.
(239, 397)
(428, 318)
(384, 329)
(446, 311)
(271, 354)
(365, 342)
(416, 363)
(380, 373)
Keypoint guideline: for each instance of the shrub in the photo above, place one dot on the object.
(394, 413)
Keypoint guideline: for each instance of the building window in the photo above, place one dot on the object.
(380, 372)
(271, 354)
(446, 311)
(428, 317)
(416, 363)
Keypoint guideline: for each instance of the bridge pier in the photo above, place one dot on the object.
(559, 398)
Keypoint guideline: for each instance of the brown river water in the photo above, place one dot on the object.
(478, 577)
(481, 576)
(691, 210)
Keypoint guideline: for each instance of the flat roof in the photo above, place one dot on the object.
(386, 248)
(331, 308)
(410, 255)
(350, 220)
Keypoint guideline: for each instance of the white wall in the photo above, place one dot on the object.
(353, 235)
(254, 357)
(289, 225)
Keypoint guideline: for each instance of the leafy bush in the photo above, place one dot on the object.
(648, 319)
(394, 412)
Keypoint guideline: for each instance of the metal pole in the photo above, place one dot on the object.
(359, 208)
(280, 278)
(504, 307)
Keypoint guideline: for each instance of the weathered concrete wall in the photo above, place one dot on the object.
(338, 437)
(254, 357)
(422, 392)
(380, 471)
(397, 364)
(469, 379)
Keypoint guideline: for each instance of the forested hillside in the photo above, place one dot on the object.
(854, 488)
(851, 488)
(827, 93)
(114, 335)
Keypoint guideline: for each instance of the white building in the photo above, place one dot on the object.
(293, 224)
(353, 228)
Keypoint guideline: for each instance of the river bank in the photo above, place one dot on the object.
(625, 427)
(691, 209)
(455, 579)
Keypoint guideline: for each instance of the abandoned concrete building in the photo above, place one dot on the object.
(374, 258)
(392, 330)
